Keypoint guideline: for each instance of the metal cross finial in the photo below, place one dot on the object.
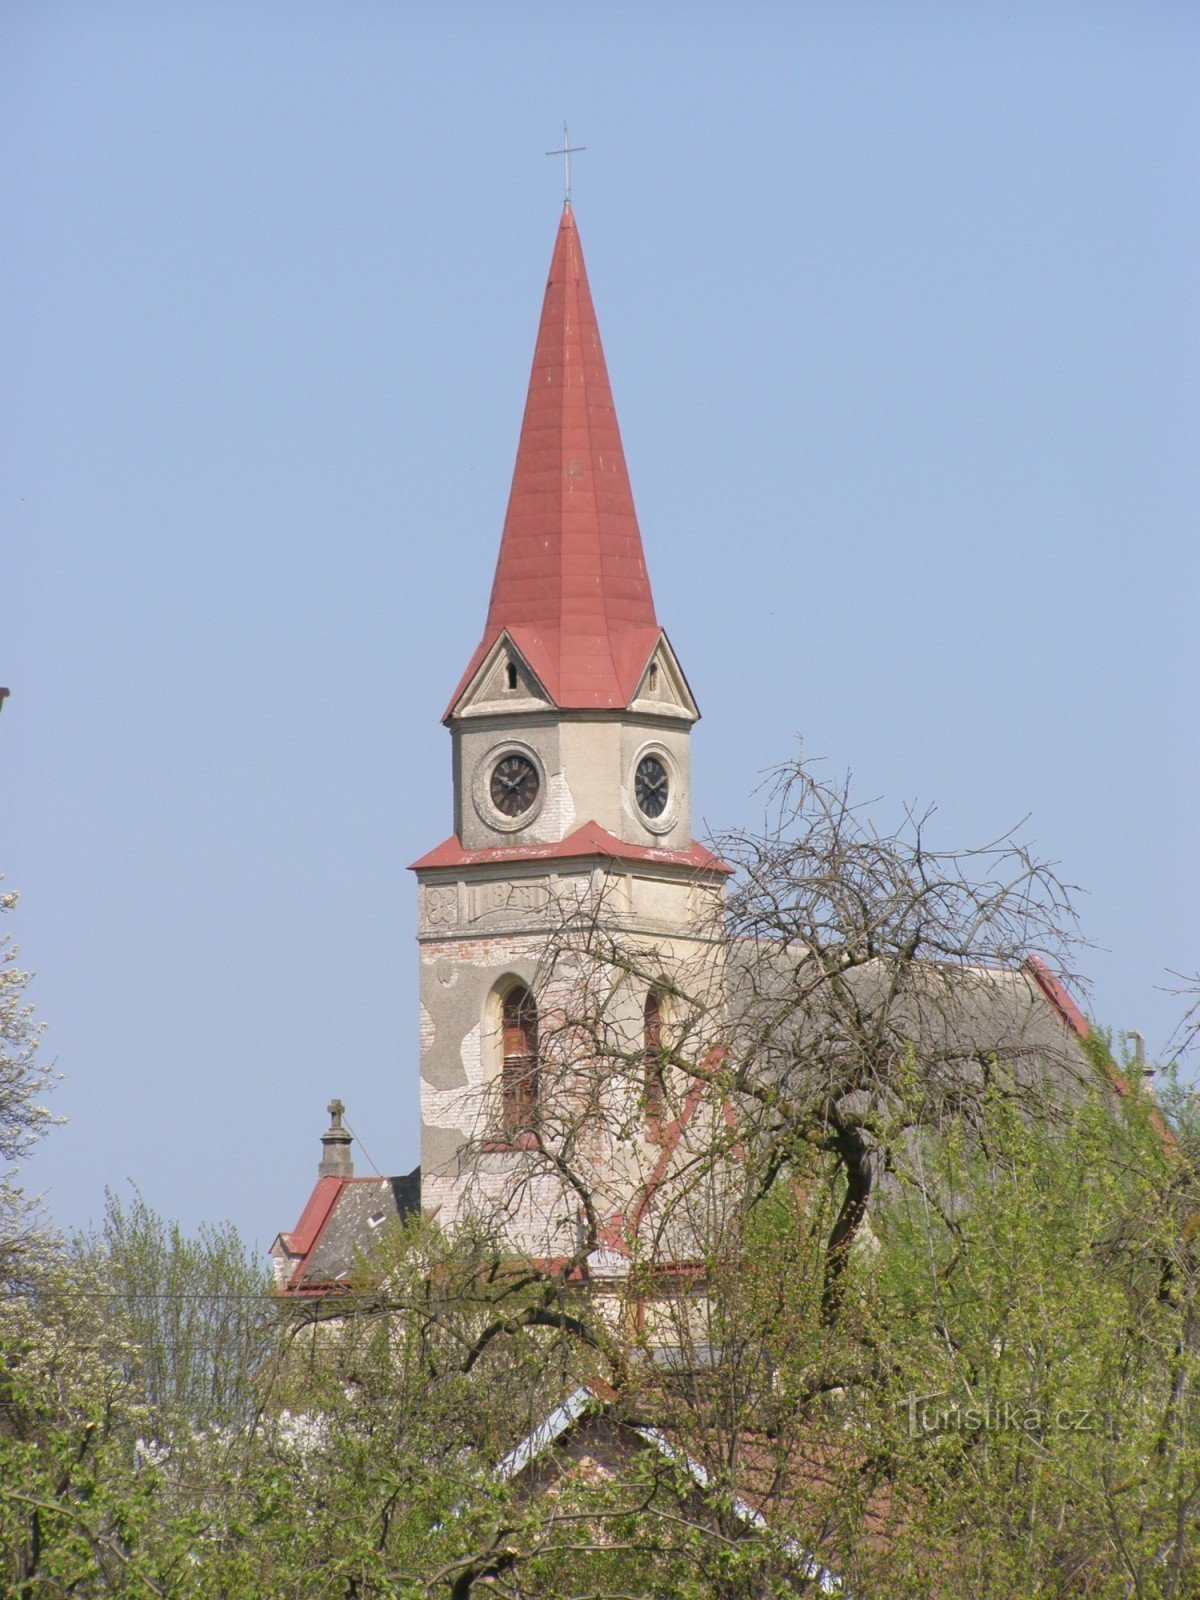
(335, 1109)
(568, 150)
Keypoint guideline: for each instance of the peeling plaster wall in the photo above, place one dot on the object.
(461, 976)
(495, 922)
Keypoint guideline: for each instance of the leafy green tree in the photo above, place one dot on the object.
(195, 1309)
(999, 1399)
(1038, 1294)
(69, 1416)
(128, 1365)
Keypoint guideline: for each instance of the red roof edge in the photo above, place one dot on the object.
(1055, 991)
(589, 840)
(305, 1236)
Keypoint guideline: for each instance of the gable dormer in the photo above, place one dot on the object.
(504, 684)
(663, 690)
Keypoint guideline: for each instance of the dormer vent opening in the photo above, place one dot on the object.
(652, 680)
(510, 675)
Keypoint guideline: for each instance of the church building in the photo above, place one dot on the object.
(571, 774)
(569, 796)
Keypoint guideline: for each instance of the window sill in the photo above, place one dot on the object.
(518, 1141)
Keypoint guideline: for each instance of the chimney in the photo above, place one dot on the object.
(336, 1161)
(1139, 1056)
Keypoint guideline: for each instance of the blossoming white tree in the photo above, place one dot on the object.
(24, 1080)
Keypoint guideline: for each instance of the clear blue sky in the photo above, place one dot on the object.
(900, 306)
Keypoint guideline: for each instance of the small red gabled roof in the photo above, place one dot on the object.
(571, 584)
(314, 1216)
(330, 1235)
(590, 840)
(304, 1236)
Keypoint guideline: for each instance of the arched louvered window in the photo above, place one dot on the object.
(653, 1066)
(519, 1072)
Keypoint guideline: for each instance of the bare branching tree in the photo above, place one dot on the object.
(756, 1179)
(856, 987)
(1185, 1037)
(880, 986)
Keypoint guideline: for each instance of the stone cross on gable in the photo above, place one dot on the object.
(336, 1161)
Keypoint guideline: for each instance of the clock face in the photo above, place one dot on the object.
(650, 786)
(514, 785)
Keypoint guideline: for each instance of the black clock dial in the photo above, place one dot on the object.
(651, 786)
(514, 785)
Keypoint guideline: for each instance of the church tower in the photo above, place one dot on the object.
(571, 736)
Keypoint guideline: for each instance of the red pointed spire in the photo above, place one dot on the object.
(571, 586)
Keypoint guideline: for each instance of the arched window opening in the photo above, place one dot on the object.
(519, 1071)
(652, 685)
(510, 674)
(654, 1085)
